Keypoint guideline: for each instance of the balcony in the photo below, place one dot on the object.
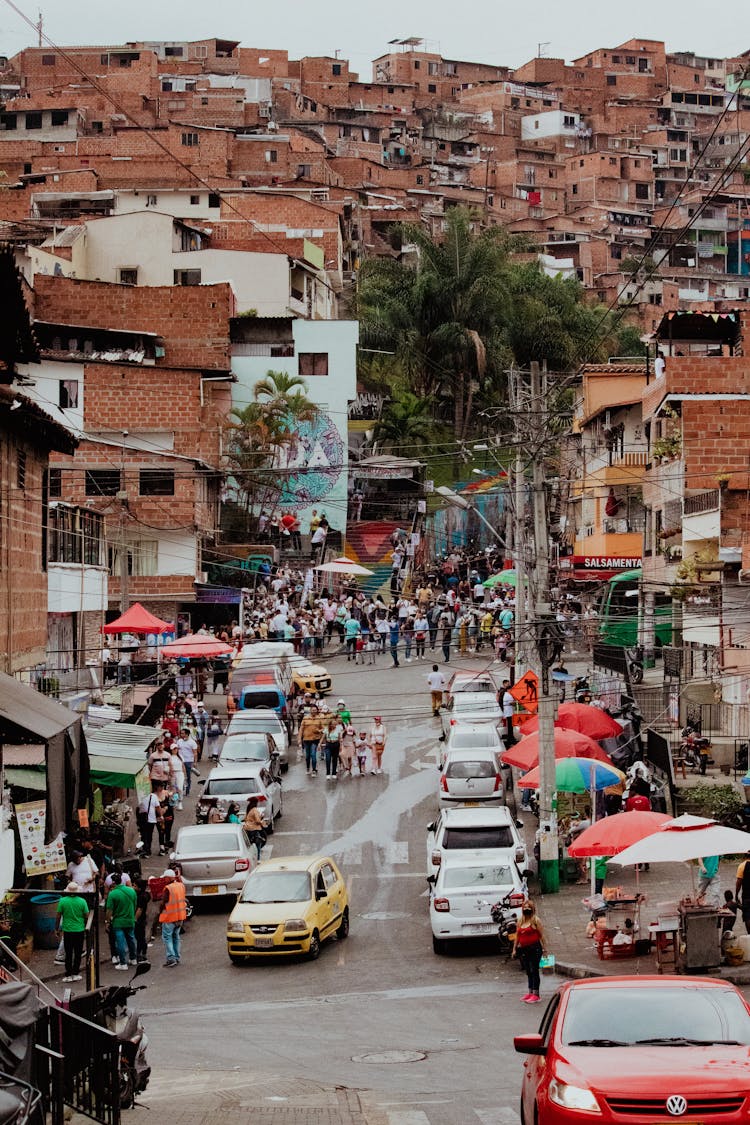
(702, 502)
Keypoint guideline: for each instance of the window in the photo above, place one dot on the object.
(142, 556)
(630, 60)
(643, 65)
(156, 482)
(102, 482)
(617, 59)
(568, 121)
(575, 189)
(336, 70)
(187, 277)
(431, 88)
(272, 156)
(195, 200)
(616, 252)
(166, 86)
(68, 394)
(48, 60)
(33, 120)
(641, 191)
(97, 126)
(9, 120)
(214, 199)
(313, 363)
(417, 64)
(151, 200)
(190, 140)
(173, 52)
(59, 117)
(54, 484)
(304, 171)
(611, 79)
(21, 469)
(420, 180)
(128, 275)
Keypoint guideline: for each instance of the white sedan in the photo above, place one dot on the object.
(464, 890)
(470, 736)
(471, 777)
(471, 707)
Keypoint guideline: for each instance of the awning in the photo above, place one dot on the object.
(115, 771)
(129, 740)
(24, 709)
(27, 778)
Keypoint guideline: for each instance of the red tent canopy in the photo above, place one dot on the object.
(137, 620)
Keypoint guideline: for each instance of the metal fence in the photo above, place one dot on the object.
(79, 1063)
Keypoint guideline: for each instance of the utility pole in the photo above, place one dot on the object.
(549, 868)
(122, 496)
(519, 548)
(39, 28)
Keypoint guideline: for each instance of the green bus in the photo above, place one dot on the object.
(618, 611)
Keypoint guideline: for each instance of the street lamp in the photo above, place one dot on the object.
(456, 500)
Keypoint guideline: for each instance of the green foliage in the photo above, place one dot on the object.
(406, 422)
(248, 314)
(716, 802)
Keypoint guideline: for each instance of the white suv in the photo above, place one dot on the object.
(491, 831)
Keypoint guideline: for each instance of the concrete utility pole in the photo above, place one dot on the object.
(549, 869)
(519, 547)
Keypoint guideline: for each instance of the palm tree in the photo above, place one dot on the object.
(405, 422)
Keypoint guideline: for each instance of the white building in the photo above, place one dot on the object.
(551, 123)
(324, 353)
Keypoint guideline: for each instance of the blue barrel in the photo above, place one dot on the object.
(43, 918)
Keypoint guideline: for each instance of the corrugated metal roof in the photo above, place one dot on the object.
(125, 740)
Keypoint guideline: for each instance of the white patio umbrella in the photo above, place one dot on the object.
(343, 565)
(686, 838)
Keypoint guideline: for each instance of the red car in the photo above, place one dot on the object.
(641, 1050)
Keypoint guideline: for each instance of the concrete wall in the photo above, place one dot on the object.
(72, 588)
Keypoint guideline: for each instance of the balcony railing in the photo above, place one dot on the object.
(702, 502)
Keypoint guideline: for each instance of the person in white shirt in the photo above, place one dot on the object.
(377, 740)
(187, 748)
(436, 683)
(509, 709)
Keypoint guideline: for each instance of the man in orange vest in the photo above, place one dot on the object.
(173, 914)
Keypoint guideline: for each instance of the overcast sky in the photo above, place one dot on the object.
(498, 31)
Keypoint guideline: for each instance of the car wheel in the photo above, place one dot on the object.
(280, 813)
(343, 930)
(313, 951)
(236, 960)
(270, 829)
(438, 946)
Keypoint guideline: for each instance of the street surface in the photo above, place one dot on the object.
(379, 1029)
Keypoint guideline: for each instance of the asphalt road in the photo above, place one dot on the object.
(419, 1038)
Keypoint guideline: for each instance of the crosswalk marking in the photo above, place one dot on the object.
(397, 851)
(352, 857)
(496, 1115)
(407, 1117)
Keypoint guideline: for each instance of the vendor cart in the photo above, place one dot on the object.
(700, 932)
(623, 918)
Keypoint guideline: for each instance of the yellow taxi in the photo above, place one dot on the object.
(309, 677)
(288, 906)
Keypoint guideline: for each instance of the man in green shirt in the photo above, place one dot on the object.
(72, 912)
(120, 916)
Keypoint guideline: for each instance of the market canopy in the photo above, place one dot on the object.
(504, 578)
(582, 717)
(568, 744)
(614, 834)
(196, 645)
(343, 565)
(137, 619)
(686, 837)
(579, 775)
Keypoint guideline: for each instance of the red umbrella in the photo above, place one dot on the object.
(581, 717)
(615, 833)
(568, 744)
(196, 644)
(137, 619)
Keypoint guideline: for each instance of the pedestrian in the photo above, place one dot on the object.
(436, 684)
(159, 766)
(408, 632)
(177, 776)
(343, 713)
(421, 630)
(377, 740)
(361, 746)
(72, 914)
(508, 705)
(330, 742)
(446, 626)
(530, 948)
(149, 816)
(214, 731)
(201, 725)
(383, 629)
(164, 826)
(173, 914)
(187, 748)
(352, 630)
(310, 731)
(142, 906)
(120, 918)
(434, 619)
(255, 825)
(372, 646)
(347, 749)
(393, 635)
(709, 882)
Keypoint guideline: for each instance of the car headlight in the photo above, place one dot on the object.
(295, 924)
(236, 927)
(573, 1097)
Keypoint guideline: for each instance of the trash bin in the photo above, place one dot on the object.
(43, 917)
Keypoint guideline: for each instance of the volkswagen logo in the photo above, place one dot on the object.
(676, 1105)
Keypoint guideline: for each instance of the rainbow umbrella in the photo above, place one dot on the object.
(577, 775)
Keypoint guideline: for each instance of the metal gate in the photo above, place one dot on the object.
(78, 1064)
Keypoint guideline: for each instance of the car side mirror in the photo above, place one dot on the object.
(519, 824)
(320, 894)
(202, 781)
(431, 826)
(529, 1045)
(528, 873)
(432, 879)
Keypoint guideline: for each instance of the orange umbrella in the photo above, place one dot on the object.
(615, 833)
(584, 718)
(568, 744)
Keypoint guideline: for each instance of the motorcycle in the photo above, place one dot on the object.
(107, 1006)
(632, 751)
(582, 692)
(503, 913)
(695, 749)
(19, 1101)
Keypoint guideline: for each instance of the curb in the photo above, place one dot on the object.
(582, 972)
(575, 972)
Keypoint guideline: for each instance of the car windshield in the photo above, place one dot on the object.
(460, 770)
(488, 875)
(473, 685)
(469, 702)
(263, 726)
(244, 749)
(205, 843)
(261, 699)
(230, 786)
(661, 1016)
(277, 886)
(496, 836)
(466, 738)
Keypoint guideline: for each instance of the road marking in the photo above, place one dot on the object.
(352, 856)
(421, 765)
(397, 852)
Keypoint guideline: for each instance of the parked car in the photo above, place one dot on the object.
(639, 1049)
(237, 782)
(251, 746)
(463, 891)
(288, 906)
(215, 859)
(491, 831)
(309, 677)
(470, 736)
(471, 707)
(471, 777)
(266, 695)
(470, 681)
(262, 720)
